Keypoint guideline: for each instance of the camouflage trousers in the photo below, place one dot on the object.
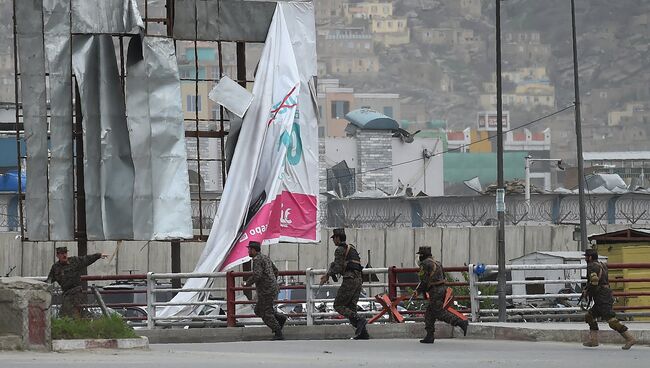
(436, 312)
(347, 297)
(266, 311)
(603, 308)
(71, 304)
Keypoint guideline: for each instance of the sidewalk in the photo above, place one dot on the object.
(558, 332)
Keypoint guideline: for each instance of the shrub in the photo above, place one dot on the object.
(112, 327)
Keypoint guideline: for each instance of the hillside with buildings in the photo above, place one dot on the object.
(436, 57)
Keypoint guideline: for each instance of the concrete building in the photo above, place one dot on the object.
(368, 10)
(632, 166)
(530, 88)
(525, 49)
(368, 151)
(631, 113)
(390, 31)
(335, 102)
(328, 11)
(465, 8)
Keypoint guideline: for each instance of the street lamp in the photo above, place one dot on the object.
(529, 161)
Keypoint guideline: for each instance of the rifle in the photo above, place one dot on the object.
(10, 271)
(581, 302)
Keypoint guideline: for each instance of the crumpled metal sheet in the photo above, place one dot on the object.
(56, 20)
(29, 27)
(108, 167)
(106, 16)
(162, 207)
(225, 20)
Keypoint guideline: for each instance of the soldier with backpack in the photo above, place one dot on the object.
(347, 263)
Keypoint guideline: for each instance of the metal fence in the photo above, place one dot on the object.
(304, 302)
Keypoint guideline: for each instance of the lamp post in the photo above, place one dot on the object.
(529, 161)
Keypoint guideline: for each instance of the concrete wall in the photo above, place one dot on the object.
(455, 246)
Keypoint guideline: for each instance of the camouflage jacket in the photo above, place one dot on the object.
(265, 275)
(431, 274)
(339, 266)
(69, 275)
(597, 277)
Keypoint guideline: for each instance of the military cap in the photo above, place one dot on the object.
(424, 251)
(61, 250)
(337, 232)
(255, 245)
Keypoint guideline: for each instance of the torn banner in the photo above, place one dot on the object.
(269, 166)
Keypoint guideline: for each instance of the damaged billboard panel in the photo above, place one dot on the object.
(162, 207)
(56, 21)
(222, 20)
(29, 36)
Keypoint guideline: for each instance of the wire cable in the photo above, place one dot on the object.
(454, 149)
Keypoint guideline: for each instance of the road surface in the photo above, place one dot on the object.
(344, 353)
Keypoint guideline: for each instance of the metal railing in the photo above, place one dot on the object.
(473, 296)
(313, 302)
(555, 305)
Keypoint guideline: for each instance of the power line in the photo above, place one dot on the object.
(457, 148)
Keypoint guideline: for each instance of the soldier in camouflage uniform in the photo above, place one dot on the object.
(67, 272)
(598, 290)
(432, 281)
(348, 264)
(265, 276)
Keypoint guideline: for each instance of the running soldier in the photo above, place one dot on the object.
(432, 282)
(348, 264)
(598, 290)
(265, 278)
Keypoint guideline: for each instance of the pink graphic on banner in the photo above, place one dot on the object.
(289, 215)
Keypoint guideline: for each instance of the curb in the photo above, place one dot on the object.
(71, 345)
(477, 331)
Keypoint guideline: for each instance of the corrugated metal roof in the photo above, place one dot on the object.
(371, 119)
(631, 155)
(568, 255)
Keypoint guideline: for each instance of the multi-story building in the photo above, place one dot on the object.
(634, 112)
(328, 11)
(525, 48)
(390, 31)
(335, 102)
(368, 10)
(532, 88)
(347, 52)
(464, 8)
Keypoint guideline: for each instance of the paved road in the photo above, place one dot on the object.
(342, 353)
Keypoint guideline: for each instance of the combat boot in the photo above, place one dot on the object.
(282, 319)
(463, 326)
(629, 340)
(360, 329)
(278, 335)
(428, 339)
(593, 339)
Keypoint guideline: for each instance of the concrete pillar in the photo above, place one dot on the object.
(24, 314)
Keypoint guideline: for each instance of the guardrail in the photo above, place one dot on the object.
(304, 302)
(526, 306)
(313, 302)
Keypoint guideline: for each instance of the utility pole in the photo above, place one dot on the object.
(501, 242)
(581, 170)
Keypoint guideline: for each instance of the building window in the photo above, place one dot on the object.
(193, 103)
(388, 111)
(340, 109)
